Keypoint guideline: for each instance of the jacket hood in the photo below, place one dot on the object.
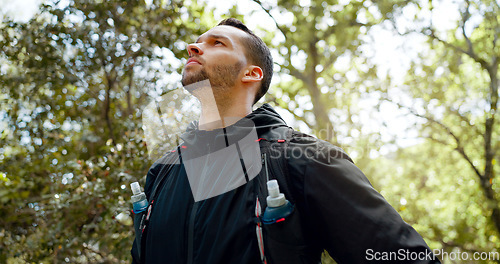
(261, 120)
(266, 118)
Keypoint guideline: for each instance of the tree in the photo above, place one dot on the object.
(431, 186)
(454, 89)
(75, 78)
(324, 74)
(320, 51)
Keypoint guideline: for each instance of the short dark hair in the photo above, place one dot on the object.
(257, 52)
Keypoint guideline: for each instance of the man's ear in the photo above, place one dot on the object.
(252, 74)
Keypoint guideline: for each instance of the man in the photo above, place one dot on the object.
(207, 196)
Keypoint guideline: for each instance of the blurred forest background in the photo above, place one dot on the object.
(409, 88)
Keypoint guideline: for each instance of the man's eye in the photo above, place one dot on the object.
(218, 42)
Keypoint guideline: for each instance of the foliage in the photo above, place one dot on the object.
(324, 76)
(454, 88)
(324, 73)
(74, 79)
(433, 189)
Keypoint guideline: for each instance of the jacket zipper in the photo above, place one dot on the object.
(192, 218)
(264, 162)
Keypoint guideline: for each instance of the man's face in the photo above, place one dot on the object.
(218, 56)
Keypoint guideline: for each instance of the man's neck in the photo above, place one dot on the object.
(221, 115)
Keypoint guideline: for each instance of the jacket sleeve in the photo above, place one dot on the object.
(355, 224)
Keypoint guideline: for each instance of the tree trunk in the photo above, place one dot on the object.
(323, 123)
(489, 152)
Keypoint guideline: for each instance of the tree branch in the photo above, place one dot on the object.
(464, 118)
(440, 141)
(107, 106)
(330, 61)
(466, 17)
(459, 146)
(433, 35)
(130, 83)
(268, 11)
(297, 74)
(483, 63)
(301, 118)
(460, 246)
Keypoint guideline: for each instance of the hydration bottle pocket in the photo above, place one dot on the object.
(139, 220)
(140, 226)
(284, 242)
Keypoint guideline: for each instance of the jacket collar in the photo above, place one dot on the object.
(262, 119)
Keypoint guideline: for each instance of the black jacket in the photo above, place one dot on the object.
(339, 209)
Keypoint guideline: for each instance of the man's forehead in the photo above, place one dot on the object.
(224, 31)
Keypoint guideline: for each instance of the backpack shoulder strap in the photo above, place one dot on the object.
(274, 161)
(162, 174)
(283, 241)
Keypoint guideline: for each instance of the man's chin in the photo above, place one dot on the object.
(192, 77)
(191, 81)
(192, 85)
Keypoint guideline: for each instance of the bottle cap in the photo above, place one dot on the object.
(273, 188)
(275, 198)
(136, 188)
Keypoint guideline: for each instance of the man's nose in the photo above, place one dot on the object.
(193, 49)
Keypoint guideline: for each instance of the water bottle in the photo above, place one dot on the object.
(278, 207)
(285, 241)
(139, 200)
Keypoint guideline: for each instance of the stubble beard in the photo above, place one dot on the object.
(221, 79)
(194, 77)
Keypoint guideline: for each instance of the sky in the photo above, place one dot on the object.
(21, 10)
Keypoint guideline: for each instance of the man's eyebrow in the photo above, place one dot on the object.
(214, 36)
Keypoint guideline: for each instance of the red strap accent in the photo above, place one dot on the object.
(261, 239)
(183, 147)
(281, 140)
(149, 210)
(260, 139)
(280, 220)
